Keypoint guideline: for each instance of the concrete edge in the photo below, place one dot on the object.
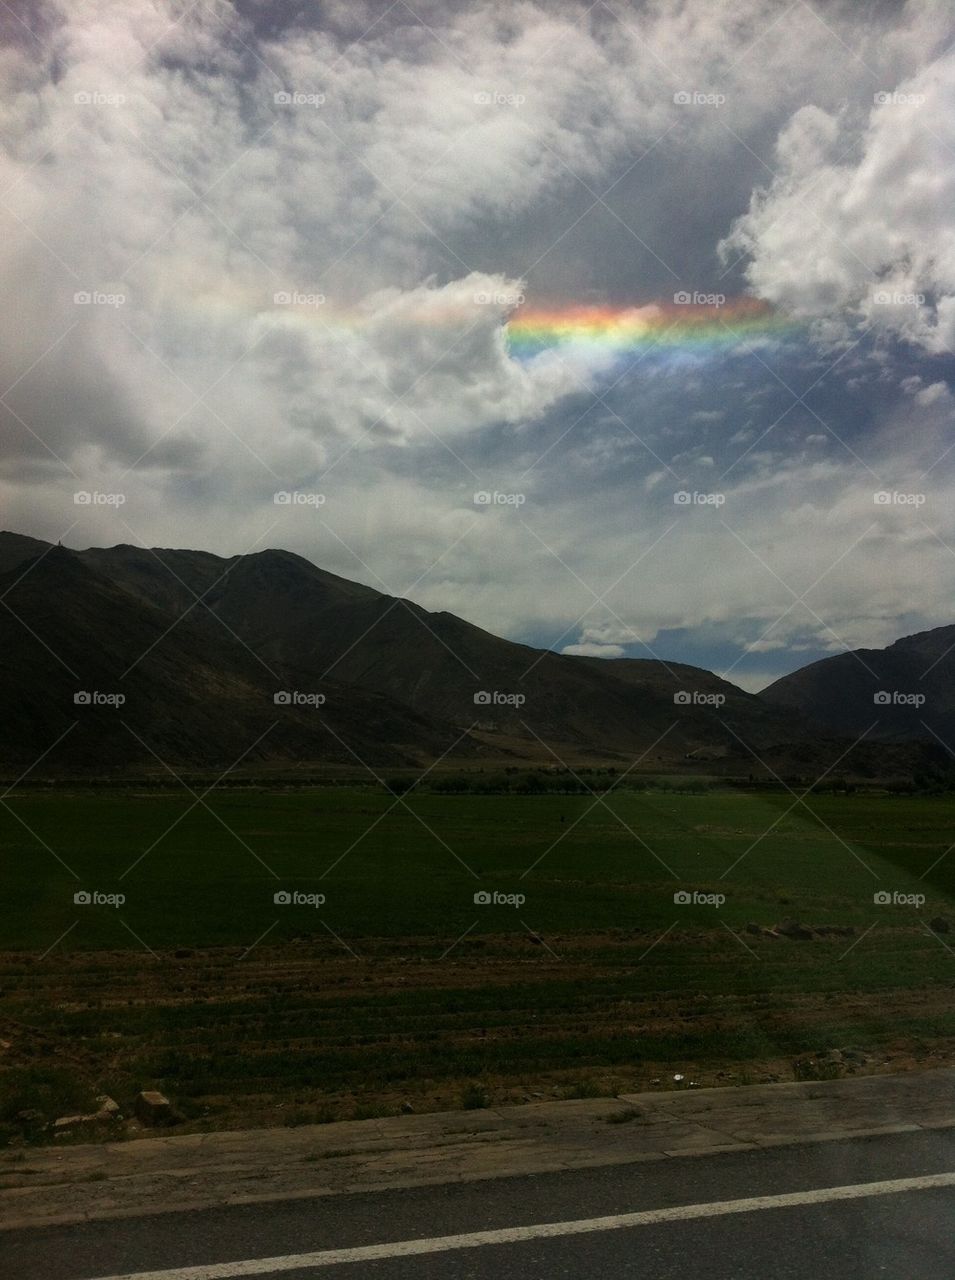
(318, 1193)
(552, 1158)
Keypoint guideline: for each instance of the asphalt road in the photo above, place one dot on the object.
(901, 1234)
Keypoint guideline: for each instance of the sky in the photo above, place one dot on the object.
(624, 329)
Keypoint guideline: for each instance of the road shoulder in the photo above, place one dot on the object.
(51, 1186)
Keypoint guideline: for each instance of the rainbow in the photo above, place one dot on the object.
(701, 322)
(684, 325)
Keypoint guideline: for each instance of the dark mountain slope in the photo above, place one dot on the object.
(400, 683)
(290, 612)
(16, 548)
(905, 691)
(192, 692)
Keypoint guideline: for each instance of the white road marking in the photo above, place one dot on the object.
(539, 1231)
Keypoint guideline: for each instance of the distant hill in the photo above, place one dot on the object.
(904, 691)
(192, 693)
(289, 612)
(199, 645)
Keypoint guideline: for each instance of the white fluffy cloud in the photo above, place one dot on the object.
(595, 650)
(861, 221)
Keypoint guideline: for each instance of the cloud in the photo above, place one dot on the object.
(406, 363)
(595, 650)
(316, 291)
(936, 393)
(765, 646)
(859, 219)
(202, 163)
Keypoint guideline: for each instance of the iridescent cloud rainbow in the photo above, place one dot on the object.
(696, 324)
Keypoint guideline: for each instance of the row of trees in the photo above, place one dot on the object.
(535, 782)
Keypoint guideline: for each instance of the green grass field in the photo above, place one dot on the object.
(191, 877)
(399, 987)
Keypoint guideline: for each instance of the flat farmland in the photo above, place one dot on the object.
(271, 956)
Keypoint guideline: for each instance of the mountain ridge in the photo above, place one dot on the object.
(905, 691)
(203, 645)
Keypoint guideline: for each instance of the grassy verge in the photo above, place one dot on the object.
(401, 991)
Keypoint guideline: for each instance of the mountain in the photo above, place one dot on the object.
(905, 692)
(191, 692)
(291, 613)
(15, 548)
(199, 646)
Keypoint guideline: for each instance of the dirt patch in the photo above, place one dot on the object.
(305, 1033)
